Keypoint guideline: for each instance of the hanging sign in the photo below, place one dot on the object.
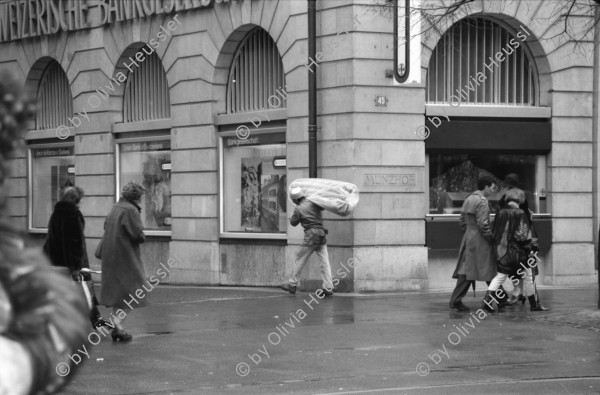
(401, 21)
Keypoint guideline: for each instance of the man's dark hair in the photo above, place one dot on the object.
(484, 181)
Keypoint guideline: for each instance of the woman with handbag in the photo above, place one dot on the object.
(122, 268)
(512, 181)
(512, 238)
(65, 244)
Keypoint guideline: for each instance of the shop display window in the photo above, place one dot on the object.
(254, 195)
(50, 169)
(148, 162)
(453, 177)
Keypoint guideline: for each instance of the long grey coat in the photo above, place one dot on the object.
(476, 257)
(122, 267)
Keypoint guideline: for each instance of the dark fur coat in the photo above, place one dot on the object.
(65, 242)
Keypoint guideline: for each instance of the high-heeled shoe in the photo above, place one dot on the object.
(119, 335)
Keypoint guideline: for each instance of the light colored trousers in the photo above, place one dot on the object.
(302, 258)
(526, 281)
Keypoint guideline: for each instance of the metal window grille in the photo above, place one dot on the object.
(147, 91)
(458, 72)
(255, 75)
(54, 100)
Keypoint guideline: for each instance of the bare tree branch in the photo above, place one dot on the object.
(435, 13)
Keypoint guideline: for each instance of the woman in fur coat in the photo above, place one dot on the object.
(65, 243)
(512, 238)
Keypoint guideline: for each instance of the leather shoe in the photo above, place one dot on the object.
(101, 322)
(119, 335)
(459, 306)
(290, 288)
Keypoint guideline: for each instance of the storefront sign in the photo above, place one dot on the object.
(401, 180)
(51, 152)
(163, 145)
(31, 18)
(257, 139)
(118, 10)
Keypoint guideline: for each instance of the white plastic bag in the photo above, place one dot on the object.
(337, 197)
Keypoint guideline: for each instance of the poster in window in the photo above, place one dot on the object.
(150, 163)
(158, 186)
(52, 170)
(273, 197)
(269, 203)
(250, 202)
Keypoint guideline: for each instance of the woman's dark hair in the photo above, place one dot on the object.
(72, 195)
(484, 181)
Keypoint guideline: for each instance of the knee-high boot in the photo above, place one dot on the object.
(502, 301)
(535, 305)
(487, 303)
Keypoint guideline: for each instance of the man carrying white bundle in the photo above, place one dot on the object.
(309, 215)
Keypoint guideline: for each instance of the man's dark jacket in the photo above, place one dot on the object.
(308, 214)
(65, 242)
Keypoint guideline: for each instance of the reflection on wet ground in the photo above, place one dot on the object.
(263, 341)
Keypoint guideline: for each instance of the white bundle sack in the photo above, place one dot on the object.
(337, 197)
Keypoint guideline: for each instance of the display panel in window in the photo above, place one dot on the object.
(254, 183)
(52, 169)
(453, 177)
(149, 163)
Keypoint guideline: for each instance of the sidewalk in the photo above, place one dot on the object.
(191, 340)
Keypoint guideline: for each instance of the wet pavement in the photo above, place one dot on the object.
(191, 340)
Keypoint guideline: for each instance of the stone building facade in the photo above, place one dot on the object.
(205, 102)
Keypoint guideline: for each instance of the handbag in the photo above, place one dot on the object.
(98, 252)
(515, 254)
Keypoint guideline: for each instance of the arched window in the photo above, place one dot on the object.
(54, 101)
(253, 142)
(145, 156)
(256, 75)
(478, 61)
(51, 163)
(147, 92)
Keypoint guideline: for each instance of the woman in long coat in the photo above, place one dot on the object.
(122, 268)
